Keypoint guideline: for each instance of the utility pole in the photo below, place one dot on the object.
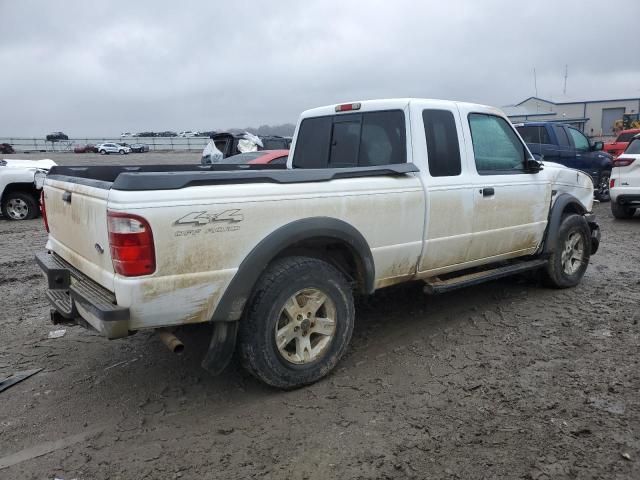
(566, 74)
(535, 81)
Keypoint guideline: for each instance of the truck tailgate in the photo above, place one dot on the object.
(77, 218)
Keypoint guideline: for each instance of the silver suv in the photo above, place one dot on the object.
(106, 148)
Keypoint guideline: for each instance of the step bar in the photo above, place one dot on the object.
(436, 285)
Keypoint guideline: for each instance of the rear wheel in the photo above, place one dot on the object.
(571, 254)
(19, 206)
(622, 211)
(298, 324)
(103, 152)
(602, 188)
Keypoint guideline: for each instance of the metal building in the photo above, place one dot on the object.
(596, 118)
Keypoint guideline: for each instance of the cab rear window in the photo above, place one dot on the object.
(351, 140)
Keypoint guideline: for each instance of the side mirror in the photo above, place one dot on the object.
(531, 165)
(597, 146)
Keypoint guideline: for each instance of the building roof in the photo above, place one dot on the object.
(578, 101)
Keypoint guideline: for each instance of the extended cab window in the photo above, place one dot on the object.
(534, 134)
(442, 143)
(496, 147)
(351, 140)
(579, 140)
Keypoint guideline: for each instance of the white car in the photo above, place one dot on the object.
(625, 181)
(107, 148)
(376, 193)
(187, 134)
(20, 186)
(126, 135)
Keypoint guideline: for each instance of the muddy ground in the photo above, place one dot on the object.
(502, 380)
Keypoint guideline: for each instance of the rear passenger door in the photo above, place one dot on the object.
(449, 190)
(510, 205)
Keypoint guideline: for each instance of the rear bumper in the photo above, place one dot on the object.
(628, 199)
(73, 295)
(595, 232)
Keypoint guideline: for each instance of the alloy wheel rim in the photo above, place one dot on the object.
(573, 253)
(306, 326)
(17, 209)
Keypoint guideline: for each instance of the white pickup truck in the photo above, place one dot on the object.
(375, 193)
(20, 187)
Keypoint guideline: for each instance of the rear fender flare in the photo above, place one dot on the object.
(234, 299)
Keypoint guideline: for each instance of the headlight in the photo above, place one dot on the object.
(38, 179)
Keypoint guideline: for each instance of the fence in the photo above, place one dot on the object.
(27, 145)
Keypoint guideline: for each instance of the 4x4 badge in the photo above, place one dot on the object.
(203, 218)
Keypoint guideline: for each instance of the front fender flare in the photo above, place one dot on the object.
(563, 201)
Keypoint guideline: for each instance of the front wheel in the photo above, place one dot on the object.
(622, 211)
(121, 152)
(602, 188)
(103, 152)
(298, 323)
(571, 254)
(19, 206)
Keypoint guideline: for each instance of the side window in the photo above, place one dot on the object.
(383, 139)
(534, 134)
(496, 147)
(579, 140)
(442, 143)
(563, 139)
(312, 144)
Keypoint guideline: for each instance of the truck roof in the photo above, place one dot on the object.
(392, 104)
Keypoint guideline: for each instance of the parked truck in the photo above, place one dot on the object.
(564, 144)
(375, 194)
(21, 183)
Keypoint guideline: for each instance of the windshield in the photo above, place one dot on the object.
(634, 147)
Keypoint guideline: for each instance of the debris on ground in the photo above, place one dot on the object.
(17, 377)
(57, 333)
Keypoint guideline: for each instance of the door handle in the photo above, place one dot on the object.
(487, 191)
(66, 197)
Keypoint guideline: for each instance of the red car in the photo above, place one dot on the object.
(618, 146)
(89, 148)
(261, 157)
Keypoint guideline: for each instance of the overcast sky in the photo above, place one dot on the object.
(104, 67)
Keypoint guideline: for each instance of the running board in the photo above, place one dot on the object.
(436, 285)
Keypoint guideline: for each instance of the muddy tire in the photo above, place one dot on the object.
(622, 211)
(571, 254)
(298, 323)
(19, 206)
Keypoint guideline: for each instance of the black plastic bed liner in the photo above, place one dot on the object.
(173, 177)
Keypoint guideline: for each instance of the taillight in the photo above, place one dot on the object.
(43, 211)
(131, 242)
(623, 161)
(612, 183)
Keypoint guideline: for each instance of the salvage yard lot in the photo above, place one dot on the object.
(503, 380)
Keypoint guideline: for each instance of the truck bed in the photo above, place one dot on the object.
(173, 177)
